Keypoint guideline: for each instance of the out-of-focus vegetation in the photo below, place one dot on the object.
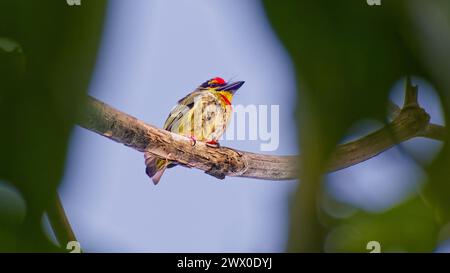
(47, 52)
(347, 56)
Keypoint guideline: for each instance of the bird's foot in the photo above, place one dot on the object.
(213, 144)
(193, 140)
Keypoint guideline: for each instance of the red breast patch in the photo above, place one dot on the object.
(225, 99)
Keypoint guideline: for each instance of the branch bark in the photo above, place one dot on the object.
(409, 122)
(60, 223)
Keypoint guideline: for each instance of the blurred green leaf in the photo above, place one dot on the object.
(347, 56)
(428, 29)
(42, 83)
(411, 227)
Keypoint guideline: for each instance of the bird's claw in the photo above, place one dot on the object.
(213, 144)
(194, 141)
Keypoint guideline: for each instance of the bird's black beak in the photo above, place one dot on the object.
(231, 87)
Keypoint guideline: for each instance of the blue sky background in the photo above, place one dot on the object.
(152, 54)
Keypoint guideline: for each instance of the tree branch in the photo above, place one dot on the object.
(434, 131)
(410, 121)
(59, 222)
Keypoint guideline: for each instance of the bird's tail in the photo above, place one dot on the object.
(155, 167)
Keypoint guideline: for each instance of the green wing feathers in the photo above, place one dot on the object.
(198, 115)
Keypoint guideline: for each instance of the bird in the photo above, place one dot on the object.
(202, 115)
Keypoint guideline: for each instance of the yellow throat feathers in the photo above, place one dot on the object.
(225, 97)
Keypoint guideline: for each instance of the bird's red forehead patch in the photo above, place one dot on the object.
(218, 80)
